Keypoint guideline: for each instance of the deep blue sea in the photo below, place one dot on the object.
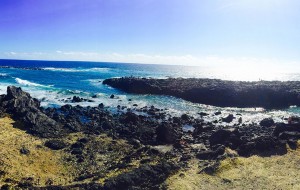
(53, 82)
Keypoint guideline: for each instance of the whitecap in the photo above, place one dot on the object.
(3, 75)
(28, 83)
(60, 69)
(99, 69)
(104, 69)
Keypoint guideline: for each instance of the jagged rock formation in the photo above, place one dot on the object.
(26, 110)
(267, 94)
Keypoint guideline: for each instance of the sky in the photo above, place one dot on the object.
(190, 32)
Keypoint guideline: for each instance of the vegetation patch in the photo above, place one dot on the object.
(275, 172)
(24, 158)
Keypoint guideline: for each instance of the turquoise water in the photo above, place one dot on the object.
(54, 82)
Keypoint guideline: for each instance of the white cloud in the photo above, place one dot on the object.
(24, 55)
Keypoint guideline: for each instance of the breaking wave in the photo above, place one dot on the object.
(28, 83)
(76, 69)
(3, 75)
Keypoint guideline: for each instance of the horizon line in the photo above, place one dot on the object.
(90, 61)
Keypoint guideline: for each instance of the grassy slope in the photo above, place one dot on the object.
(276, 172)
(41, 164)
(45, 165)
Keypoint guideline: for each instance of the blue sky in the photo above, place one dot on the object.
(195, 32)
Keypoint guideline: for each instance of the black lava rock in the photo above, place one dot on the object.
(101, 105)
(267, 122)
(218, 113)
(263, 146)
(167, 134)
(24, 150)
(228, 137)
(228, 119)
(77, 99)
(55, 144)
(215, 92)
(27, 111)
(202, 114)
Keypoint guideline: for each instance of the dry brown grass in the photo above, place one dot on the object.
(276, 172)
(49, 167)
(60, 167)
(45, 166)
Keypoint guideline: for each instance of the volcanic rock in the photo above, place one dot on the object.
(267, 122)
(167, 134)
(228, 119)
(228, 137)
(267, 94)
(27, 110)
(55, 144)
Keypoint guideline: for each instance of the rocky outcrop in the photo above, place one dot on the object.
(26, 110)
(267, 94)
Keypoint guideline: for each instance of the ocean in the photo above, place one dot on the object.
(55, 82)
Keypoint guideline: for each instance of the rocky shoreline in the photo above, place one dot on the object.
(266, 94)
(125, 150)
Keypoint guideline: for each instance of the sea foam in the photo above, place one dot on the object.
(3, 75)
(28, 83)
(60, 69)
(96, 69)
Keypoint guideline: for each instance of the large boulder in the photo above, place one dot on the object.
(16, 99)
(167, 133)
(282, 127)
(55, 144)
(263, 146)
(267, 122)
(228, 119)
(76, 99)
(26, 110)
(228, 137)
